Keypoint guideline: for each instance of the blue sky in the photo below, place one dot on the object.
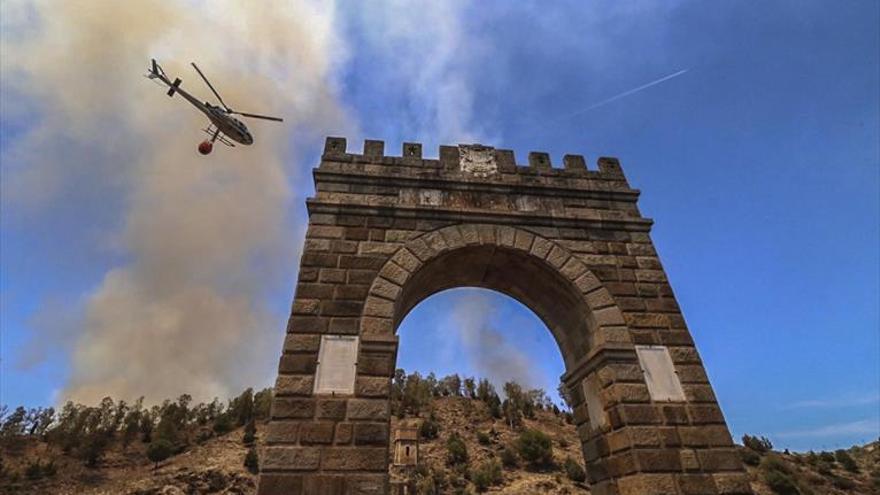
(760, 166)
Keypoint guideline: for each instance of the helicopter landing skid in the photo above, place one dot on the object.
(212, 131)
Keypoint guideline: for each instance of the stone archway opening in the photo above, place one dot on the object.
(526, 278)
(480, 333)
(449, 343)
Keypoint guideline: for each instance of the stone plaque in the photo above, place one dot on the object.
(477, 159)
(663, 382)
(594, 405)
(337, 363)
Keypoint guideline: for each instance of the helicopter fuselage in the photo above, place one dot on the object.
(227, 124)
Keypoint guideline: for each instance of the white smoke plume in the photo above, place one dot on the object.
(490, 353)
(197, 241)
(427, 51)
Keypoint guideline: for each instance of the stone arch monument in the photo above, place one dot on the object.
(385, 232)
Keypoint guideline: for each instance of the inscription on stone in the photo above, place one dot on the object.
(477, 160)
(663, 382)
(337, 363)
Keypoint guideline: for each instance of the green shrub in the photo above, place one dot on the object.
(456, 450)
(250, 432)
(251, 461)
(824, 468)
(483, 438)
(488, 474)
(843, 483)
(50, 469)
(875, 479)
(159, 450)
(750, 457)
(33, 471)
(536, 448)
(508, 457)
(846, 461)
(781, 483)
(429, 428)
(574, 471)
(827, 457)
(775, 463)
(758, 444)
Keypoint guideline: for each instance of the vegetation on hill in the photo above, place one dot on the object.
(472, 441)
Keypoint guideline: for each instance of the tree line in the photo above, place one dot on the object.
(86, 432)
(411, 395)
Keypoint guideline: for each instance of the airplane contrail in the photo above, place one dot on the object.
(627, 93)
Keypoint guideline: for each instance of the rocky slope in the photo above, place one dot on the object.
(216, 464)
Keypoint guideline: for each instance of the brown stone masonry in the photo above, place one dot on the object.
(385, 232)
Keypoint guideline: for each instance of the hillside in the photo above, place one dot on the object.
(214, 463)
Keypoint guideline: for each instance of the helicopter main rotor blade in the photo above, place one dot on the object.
(253, 115)
(209, 85)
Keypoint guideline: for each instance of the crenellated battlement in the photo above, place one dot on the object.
(476, 160)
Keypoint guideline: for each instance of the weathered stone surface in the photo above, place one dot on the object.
(282, 431)
(372, 386)
(294, 385)
(316, 433)
(354, 459)
(371, 433)
(376, 409)
(291, 458)
(283, 407)
(386, 232)
(331, 408)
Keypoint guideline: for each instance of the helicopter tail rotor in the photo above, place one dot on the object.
(174, 86)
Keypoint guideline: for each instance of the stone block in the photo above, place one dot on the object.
(275, 483)
(344, 433)
(283, 407)
(659, 460)
(344, 326)
(379, 307)
(647, 484)
(375, 365)
(282, 432)
(305, 306)
(331, 409)
(371, 433)
(291, 458)
(354, 459)
(301, 385)
(732, 483)
(313, 433)
(384, 288)
(714, 460)
(303, 364)
(373, 409)
(373, 386)
(302, 342)
(696, 484)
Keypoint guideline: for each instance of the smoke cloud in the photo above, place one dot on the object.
(489, 352)
(427, 52)
(189, 249)
(197, 242)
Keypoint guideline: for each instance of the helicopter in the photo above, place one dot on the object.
(223, 125)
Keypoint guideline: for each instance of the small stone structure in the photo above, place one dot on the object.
(385, 232)
(406, 445)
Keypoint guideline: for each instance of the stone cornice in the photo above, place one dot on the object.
(480, 216)
(451, 182)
